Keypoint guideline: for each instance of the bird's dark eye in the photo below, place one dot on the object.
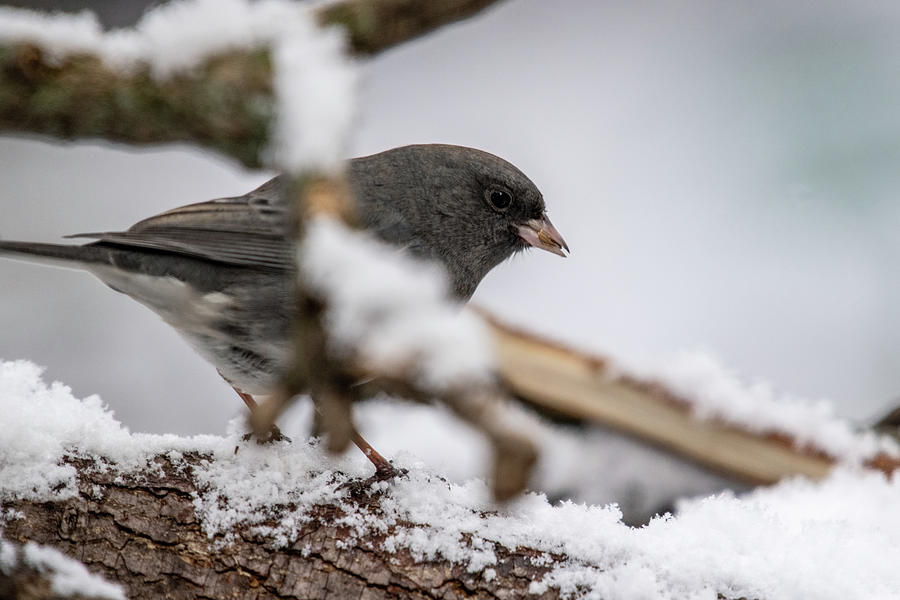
(499, 199)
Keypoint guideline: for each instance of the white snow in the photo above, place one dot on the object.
(44, 423)
(314, 81)
(9, 556)
(833, 539)
(59, 34)
(315, 86)
(716, 392)
(68, 577)
(583, 464)
(799, 539)
(259, 482)
(391, 311)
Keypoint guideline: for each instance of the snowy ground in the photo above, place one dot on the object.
(832, 539)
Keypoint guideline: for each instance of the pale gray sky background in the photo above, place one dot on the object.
(726, 174)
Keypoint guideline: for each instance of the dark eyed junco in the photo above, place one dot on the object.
(219, 272)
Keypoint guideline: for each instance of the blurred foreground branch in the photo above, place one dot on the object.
(375, 25)
(226, 104)
(573, 385)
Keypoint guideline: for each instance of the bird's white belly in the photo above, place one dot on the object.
(253, 366)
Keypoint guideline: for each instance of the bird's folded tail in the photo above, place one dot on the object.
(74, 257)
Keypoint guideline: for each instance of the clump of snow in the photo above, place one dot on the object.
(314, 82)
(717, 392)
(834, 539)
(9, 556)
(42, 424)
(59, 34)
(67, 576)
(315, 86)
(391, 310)
(799, 539)
(262, 484)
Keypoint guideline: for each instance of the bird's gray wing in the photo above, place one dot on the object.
(248, 230)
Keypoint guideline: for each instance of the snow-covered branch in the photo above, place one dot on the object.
(217, 73)
(41, 572)
(259, 82)
(692, 406)
(192, 517)
(141, 530)
(81, 97)
(376, 25)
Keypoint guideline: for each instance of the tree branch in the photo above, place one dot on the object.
(226, 104)
(140, 530)
(376, 25)
(566, 383)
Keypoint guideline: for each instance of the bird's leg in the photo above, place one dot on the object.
(335, 412)
(247, 398)
(383, 468)
(274, 434)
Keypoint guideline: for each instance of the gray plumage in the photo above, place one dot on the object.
(219, 271)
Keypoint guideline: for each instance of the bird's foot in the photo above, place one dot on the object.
(360, 489)
(272, 436)
(384, 470)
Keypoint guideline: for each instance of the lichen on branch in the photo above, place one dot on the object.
(226, 104)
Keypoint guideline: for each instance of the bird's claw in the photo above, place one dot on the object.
(361, 488)
(272, 436)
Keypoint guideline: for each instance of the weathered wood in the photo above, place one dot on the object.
(581, 387)
(141, 532)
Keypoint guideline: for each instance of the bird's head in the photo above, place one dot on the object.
(466, 208)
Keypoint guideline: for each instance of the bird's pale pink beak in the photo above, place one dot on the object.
(541, 233)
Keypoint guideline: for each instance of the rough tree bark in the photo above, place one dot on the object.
(141, 532)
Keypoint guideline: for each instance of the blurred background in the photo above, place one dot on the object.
(726, 174)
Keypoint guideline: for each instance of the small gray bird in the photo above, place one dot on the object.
(219, 272)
